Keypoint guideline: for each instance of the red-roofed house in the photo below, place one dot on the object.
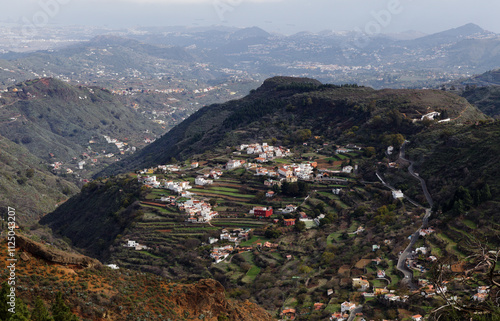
(262, 211)
(290, 313)
(318, 306)
(289, 221)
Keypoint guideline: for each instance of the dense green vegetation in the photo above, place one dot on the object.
(93, 219)
(27, 185)
(56, 121)
(487, 99)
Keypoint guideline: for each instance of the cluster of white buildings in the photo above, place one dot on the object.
(264, 151)
(302, 171)
(203, 181)
(234, 163)
(395, 298)
(168, 168)
(152, 181)
(235, 235)
(120, 145)
(161, 168)
(198, 211)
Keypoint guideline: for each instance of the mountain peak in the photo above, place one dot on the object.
(250, 32)
(470, 28)
(282, 80)
(467, 30)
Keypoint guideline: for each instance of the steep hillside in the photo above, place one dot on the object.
(490, 78)
(59, 122)
(94, 292)
(347, 223)
(283, 106)
(462, 156)
(487, 99)
(95, 217)
(27, 185)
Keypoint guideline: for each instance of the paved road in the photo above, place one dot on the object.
(428, 211)
(428, 196)
(401, 266)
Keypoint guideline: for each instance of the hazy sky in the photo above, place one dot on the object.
(285, 16)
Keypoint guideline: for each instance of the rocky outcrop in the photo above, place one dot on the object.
(54, 255)
(207, 300)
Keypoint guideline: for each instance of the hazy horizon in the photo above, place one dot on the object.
(282, 16)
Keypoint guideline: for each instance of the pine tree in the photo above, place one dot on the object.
(477, 197)
(40, 312)
(22, 312)
(486, 193)
(60, 311)
(4, 313)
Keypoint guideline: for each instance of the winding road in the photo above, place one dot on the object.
(401, 266)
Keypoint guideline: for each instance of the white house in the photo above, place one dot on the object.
(347, 307)
(422, 249)
(430, 115)
(202, 181)
(131, 243)
(270, 194)
(397, 194)
(347, 169)
(285, 172)
(112, 266)
(380, 274)
(289, 209)
(342, 151)
(232, 164)
(417, 317)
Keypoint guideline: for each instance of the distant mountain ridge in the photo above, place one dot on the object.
(326, 55)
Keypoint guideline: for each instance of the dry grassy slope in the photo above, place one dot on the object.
(105, 294)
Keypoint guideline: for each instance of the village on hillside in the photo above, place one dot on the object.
(282, 196)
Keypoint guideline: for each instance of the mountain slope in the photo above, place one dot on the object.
(284, 105)
(462, 171)
(487, 99)
(27, 185)
(95, 216)
(93, 292)
(49, 116)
